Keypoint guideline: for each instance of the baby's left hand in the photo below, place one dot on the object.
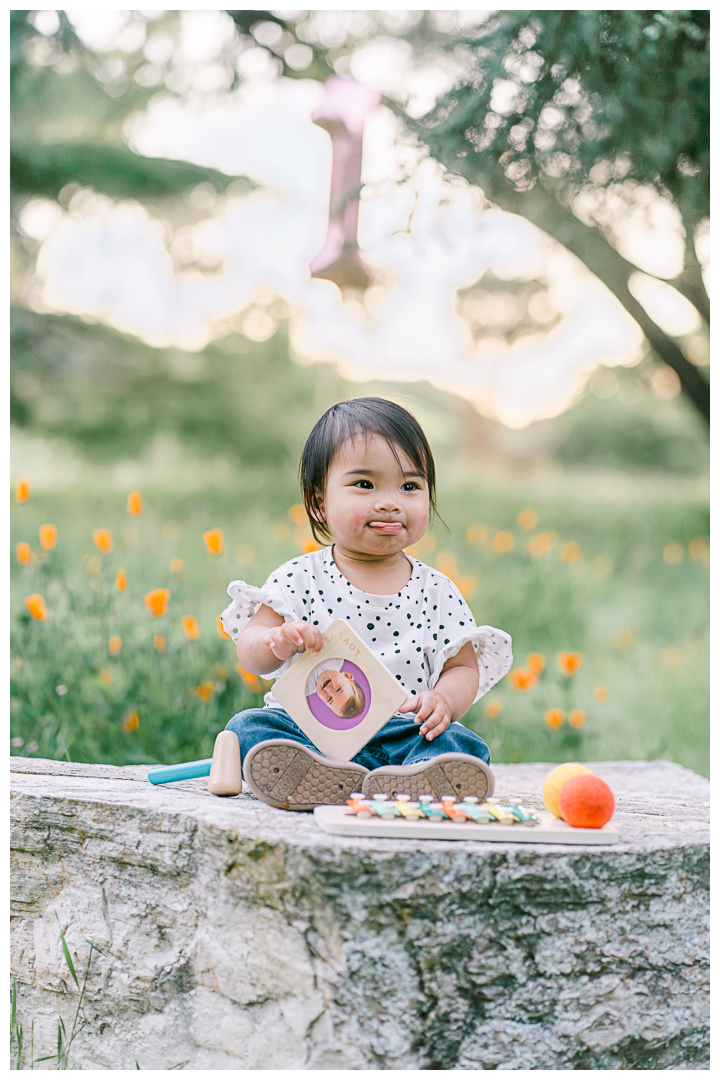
(433, 712)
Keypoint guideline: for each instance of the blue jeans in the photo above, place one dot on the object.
(399, 742)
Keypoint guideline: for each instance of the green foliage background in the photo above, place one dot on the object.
(213, 440)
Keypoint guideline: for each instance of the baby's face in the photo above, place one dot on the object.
(373, 505)
(336, 689)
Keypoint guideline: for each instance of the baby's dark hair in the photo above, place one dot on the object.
(355, 705)
(360, 416)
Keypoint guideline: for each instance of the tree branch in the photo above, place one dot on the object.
(43, 169)
(588, 243)
(690, 283)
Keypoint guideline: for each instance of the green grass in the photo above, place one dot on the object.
(640, 623)
(64, 1041)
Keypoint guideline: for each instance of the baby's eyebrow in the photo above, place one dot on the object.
(371, 472)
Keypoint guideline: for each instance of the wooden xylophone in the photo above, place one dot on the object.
(446, 808)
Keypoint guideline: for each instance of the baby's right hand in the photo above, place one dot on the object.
(293, 637)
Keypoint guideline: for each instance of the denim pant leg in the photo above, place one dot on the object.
(255, 725)
(399, 742)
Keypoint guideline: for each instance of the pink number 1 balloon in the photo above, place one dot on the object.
(342, 113)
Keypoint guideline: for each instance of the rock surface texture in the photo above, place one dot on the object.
(230, 935)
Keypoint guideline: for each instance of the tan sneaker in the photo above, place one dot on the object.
(447, 774)
(291, 776)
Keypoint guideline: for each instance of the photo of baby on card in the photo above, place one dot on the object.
(340, 696)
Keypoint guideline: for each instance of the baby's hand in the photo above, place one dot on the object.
(433, 712)
(293, 637)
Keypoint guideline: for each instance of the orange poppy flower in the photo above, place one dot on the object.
(214, 541)
(159, 643)
(576, 717)
(297, 514)
(503, 542)
(121, 580)
(571, 552)
(134, 504)
(36, 606)
(536, 662)
(467, 584)
(23, 553)
(22, 491)
(493, 708)
(131, 721)
(554, 718)
(221, 628)
(542, 543)
(476, 534)
(527, 519)
(176, 566)
(102, 539)
(569, 662)
(522, 679)
(114, 644)
(699, 551)
(106, 676)
(309, 545)
(601, 692)
(204, 690)
(673, 553)
(191, 628)
(156, 601)
(446, 564)
(48, 537)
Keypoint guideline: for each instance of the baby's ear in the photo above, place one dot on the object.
(348, 675)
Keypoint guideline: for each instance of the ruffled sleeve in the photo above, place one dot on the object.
(493, 647)
(493, 651)
(247, 599)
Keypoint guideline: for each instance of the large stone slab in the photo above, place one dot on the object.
(230, 935)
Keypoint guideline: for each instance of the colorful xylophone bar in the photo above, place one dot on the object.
(447, 808)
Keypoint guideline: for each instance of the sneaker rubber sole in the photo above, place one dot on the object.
(447, 774)
(290, 776)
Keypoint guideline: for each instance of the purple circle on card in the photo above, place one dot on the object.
(324, 714)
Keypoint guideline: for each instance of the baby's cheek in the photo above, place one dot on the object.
(357, 522)
(421, 519)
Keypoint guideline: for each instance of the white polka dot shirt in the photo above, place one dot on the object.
(414, 632)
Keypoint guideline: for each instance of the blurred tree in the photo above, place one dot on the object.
(558, 103)
(111, 395)
(271, 30)
(68, 106)
(551, 111)
(554, 110)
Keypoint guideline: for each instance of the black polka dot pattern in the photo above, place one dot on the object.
(414, 632)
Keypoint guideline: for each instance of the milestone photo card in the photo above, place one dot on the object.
(340, 696)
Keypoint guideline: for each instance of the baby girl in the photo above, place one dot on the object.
(368, 481)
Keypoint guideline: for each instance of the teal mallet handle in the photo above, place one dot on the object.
(188, 770)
